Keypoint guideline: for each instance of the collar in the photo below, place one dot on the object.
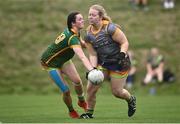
(74, 31)
(104, 22)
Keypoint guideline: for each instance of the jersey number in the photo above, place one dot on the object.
(60, 38)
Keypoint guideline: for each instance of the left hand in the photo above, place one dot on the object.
(124, 61)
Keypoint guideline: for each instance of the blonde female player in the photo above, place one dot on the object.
(107, 46)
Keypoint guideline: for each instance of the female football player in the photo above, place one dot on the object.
(107, 46)
(56, 59)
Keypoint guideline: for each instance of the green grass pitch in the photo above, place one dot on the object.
(51, 109)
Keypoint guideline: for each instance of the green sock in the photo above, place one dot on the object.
(70, 108)
(81, 98)
(91, 111)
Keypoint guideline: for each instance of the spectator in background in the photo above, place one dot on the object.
(131, 76)
(141, 3)
(168, 4)
(154, 66)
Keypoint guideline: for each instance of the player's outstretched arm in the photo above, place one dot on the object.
(79, 52)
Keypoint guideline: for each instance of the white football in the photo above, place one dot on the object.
(96, 76)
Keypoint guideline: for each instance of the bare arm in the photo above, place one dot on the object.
(149, 68)
(79, 52)
(120, 37)
(92, 54)
(82, 42)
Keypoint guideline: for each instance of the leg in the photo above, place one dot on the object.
(70, 70)
(117, 87)
(91, 97)
(159, 73)
(91, 92)
(91, 100)
(145, 5)
(148, 77)
(131, 76)
(129, 81)
(144, 2)
(57, 77)
(137, 2)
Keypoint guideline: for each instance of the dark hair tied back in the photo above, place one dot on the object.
(71, 19)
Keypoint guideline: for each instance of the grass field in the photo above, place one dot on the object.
(50, 109)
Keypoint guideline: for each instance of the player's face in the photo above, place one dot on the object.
(79, 21)
(93, 17)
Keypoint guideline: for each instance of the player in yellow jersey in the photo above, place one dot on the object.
(56, 59)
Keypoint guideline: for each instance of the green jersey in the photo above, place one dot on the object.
(61, 50)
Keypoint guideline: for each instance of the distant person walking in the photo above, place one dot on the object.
(56, 59)
(107, 46)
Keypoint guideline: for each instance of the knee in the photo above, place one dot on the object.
(66, 94)
(117, 92)
(160, 71)
(77, 81)
(150, 73)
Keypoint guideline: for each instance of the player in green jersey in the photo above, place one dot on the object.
(56, 59)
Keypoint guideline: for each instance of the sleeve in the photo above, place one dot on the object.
(74, 41)
(111, 28)
(161, 57)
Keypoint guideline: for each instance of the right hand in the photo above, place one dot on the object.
(89, 71)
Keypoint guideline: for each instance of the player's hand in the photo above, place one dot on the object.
(88, 72)
(122, 55)
(124, 61)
